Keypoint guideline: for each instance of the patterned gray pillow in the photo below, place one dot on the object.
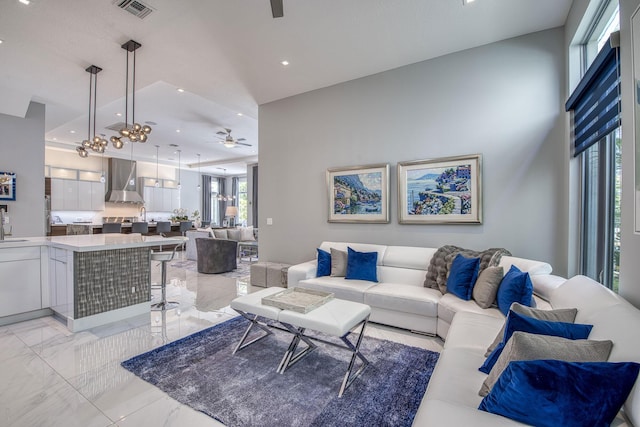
(567, 315)
(525, 346)
(486, 287)
(338, 263)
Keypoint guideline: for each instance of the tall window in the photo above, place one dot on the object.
(242, 201)
(601, 174)
(215, 211)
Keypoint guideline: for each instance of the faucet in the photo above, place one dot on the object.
(143, 213)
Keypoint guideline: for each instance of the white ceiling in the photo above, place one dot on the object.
(226, 55)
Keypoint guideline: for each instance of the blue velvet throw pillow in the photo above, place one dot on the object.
(516, 286)
(462, 276)
(324, 263)
(550, 393)
(519, 322)
(362, 265)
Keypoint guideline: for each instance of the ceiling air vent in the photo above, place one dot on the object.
(134, 7)
(116, 126)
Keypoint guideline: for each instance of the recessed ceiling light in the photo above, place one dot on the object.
(240, 114)
(1, 41)
(180, 90)
(119, 114)
(466, 2)
(24, 1)
(55, 139)
(72, 131)
(285, 63)
(178, 130)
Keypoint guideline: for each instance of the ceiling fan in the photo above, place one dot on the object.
(228, 141)
(277, 10)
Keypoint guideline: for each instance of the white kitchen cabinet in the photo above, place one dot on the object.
(158, 199)
(61, 281)
(74, 195)
(57, 194)
(97, 196)
(84, 196)
(70, 190)
(20, 288)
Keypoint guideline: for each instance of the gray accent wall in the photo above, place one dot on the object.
(22, 152)
(503, 100)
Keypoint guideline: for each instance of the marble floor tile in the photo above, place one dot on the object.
(167, 412)
(115, 391)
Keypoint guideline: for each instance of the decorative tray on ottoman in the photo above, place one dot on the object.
(298, 299)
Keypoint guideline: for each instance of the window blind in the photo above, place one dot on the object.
(595, 103)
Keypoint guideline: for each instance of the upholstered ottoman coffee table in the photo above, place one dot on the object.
(336, 318)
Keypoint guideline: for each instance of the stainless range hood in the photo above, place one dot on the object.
(119, 189)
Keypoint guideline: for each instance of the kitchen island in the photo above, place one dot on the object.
(93, 279)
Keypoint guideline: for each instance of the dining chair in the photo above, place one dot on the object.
(140, 227)
(111, 227)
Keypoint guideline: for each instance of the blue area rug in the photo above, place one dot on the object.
(245, 390)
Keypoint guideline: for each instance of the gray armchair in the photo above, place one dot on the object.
(216, 255)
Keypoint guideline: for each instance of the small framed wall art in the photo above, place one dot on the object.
(440, 191)
(359, 194)
(7, 186)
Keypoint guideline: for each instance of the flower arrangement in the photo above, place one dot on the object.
(196, 214)
(179, 215)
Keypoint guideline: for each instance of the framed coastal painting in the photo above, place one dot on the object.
(359, 194)
(440, 191)
(7, 186)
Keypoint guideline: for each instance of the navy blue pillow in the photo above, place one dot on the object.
(362, 265)
(462, 276)
(324, 263)
(516, 286)
(519, 322)
(550, 393)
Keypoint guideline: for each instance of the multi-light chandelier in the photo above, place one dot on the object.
(95, 143)
(137, 132)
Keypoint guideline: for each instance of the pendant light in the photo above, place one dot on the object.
(157, 184)
(179, 184)
(199, 177)
(96, 143)
(137, 132)
(102, 178)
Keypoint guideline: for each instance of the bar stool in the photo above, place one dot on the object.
(163, 227)
(111, 227)
(184, 227)
(164, 258)
(140, 227)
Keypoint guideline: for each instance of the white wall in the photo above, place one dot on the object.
(22, 148)
(630, 242)
(503, 100)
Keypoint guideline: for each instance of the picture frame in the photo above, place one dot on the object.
(445, 190)
(359, 194)
(7, 186)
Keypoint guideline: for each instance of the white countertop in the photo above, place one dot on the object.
(93, 242)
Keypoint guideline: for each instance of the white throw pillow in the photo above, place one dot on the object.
(246, 234)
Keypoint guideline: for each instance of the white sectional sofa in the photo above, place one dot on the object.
(452, 394)
(452, 397)
(400, 298)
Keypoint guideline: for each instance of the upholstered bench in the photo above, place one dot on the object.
(335, 318)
